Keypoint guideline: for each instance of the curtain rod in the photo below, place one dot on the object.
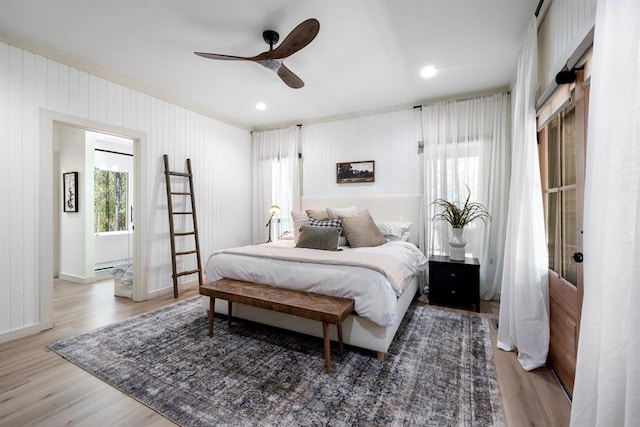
(112, 152)
(538, 7)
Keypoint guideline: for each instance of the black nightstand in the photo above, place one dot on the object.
(454, 282)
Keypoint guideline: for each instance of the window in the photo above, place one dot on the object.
(110, 200)
(282, 195)
(560, 193)
(456, 166)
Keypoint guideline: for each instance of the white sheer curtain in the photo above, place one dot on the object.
(524, 312)
(275, 180)
(607, 384)
(466, 143)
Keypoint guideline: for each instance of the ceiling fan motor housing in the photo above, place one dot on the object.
(271, 37)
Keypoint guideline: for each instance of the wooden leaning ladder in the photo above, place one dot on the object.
(170, 194)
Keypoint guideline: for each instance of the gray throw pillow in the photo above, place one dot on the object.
(324, 238)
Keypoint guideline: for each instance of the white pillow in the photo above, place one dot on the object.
(394, 230)
(299, 219)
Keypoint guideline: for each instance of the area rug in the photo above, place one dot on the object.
(439, 371)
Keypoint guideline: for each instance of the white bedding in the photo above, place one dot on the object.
(373, 293)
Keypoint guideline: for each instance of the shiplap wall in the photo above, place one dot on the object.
(563, 28)
(391, 139)
(220, 153)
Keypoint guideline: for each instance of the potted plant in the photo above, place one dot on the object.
(459, 216)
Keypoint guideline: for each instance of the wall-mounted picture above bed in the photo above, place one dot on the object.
(351, 172)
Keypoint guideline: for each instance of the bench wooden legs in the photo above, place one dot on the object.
(322, 308)
(325, 333)
(212, 303)
(327, 347)
(327, 344)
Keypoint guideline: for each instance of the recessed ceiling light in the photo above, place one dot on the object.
(261, 106)
(428, 71)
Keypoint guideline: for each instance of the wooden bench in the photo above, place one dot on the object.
(326, 309)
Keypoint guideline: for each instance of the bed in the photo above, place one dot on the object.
(381, 296)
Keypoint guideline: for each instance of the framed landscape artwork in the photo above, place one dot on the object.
(70, 191)
(351, 172)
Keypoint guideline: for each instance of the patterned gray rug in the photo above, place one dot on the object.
(439, 371)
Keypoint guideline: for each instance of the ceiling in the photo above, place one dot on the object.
(366, 58)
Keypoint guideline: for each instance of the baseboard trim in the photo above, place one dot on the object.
(78, 279)
(20, 333)
(166, 291)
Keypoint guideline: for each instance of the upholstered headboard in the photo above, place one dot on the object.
(395, 207)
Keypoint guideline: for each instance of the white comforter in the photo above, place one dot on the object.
(374, 292)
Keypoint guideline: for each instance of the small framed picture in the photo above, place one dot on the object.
(351, 172)
(70, 191)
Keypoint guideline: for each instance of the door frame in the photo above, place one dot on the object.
(46, 203)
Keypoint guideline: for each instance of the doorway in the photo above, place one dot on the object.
(49, 212)
(96, 236)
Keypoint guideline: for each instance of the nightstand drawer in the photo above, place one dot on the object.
(454, 290)
(454, 275)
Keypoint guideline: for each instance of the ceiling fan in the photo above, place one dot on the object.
(272, 59)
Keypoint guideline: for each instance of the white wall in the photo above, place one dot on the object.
(76, 249)
(390, 139)
(561, 31)
(31, 84)
(113, 246)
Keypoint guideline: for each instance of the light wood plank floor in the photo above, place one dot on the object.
(37, 387)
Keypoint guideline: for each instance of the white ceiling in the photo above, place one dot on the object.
(367, 56)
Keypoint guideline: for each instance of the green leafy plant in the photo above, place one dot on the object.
(459, 216)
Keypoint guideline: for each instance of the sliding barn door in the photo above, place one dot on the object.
(562, 146)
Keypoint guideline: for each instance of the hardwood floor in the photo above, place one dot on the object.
(533, 398)
(38, 387)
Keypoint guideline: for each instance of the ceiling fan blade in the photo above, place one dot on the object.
(289, 77)
(298, 38)
(230, 57)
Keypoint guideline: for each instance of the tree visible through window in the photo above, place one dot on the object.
(110, 200)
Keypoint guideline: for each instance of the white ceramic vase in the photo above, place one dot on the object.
(456, 245)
